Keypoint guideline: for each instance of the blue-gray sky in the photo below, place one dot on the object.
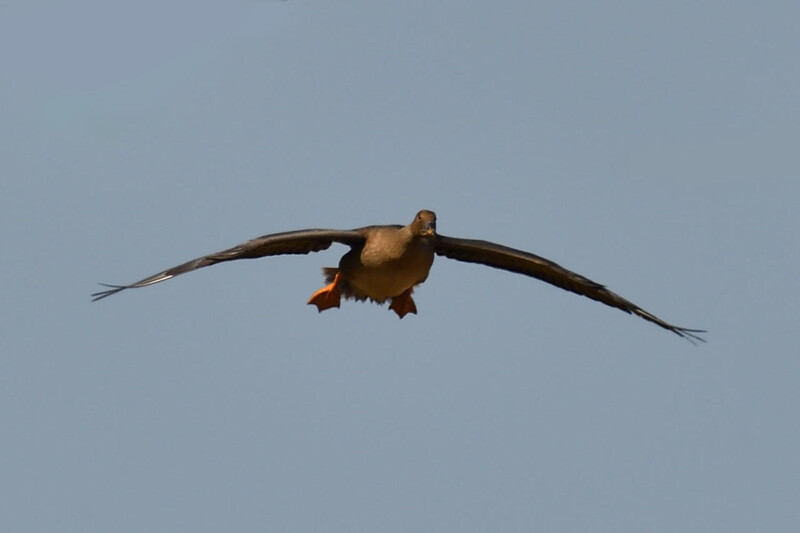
(651, 147)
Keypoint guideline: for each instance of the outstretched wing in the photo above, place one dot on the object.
(290, 242)
(505, 258)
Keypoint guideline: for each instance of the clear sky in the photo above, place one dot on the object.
(650, 146)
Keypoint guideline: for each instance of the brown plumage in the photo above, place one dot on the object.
(387, 262)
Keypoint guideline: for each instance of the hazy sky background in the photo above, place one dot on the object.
(649, 146)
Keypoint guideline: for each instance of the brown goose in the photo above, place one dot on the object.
(387, 262)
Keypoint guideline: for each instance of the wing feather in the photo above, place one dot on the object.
(528, 264)
(290, 242)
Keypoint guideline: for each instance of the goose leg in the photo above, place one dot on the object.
(403, 304)
(328, 296)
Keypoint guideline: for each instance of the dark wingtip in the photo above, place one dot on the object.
(690, 334)
(114, 289)
(687, 333)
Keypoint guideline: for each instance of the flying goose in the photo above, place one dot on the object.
(387, 262)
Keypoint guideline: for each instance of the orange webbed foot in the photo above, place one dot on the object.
(403, 304)
(328, 296)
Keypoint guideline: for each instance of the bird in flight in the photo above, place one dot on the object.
(385, 263)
